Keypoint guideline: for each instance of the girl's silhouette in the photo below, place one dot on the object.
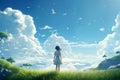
(57, 58)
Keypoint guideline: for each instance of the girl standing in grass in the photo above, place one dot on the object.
(57, 58)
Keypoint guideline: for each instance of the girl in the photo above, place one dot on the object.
(57, 58)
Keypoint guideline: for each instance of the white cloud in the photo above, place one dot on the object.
(102, 29)
(107, 45)
(86, 45)
(117, 25)
(10, 37)
(69, 67)
(53, 11)
(117, 48)
(111, 42)
(21, 44)
(46, 27)
(55, 40)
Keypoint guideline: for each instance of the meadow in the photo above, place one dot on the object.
(18, 73)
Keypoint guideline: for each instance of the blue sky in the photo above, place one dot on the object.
(76, 20)
(85, 29)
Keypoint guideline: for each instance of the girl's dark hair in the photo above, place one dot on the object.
(57, 48)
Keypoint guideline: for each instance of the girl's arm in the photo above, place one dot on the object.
(60, 56)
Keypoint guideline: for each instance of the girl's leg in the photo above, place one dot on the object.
(58, 67)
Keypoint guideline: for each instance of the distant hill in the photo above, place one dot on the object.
(111, 63)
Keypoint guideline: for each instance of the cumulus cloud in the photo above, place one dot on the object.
(111, 42)
(86, 45)
(102, 29)
(117, 25)
(46, 27)
(53, 11)
(54, 40)
(21, 44)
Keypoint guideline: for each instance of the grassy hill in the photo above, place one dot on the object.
(17, 73)
(109, 62)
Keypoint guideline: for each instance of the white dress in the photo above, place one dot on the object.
(57, 58)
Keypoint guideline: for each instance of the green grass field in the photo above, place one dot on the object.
(23, 74)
